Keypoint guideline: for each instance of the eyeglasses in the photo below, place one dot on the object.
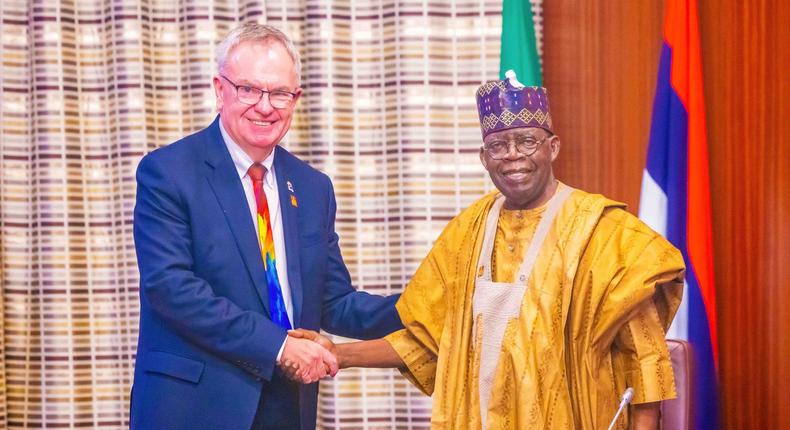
(249, 95)
(499, 149)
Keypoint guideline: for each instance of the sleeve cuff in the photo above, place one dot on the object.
(662, 386)
(420, 363)
(280, 353)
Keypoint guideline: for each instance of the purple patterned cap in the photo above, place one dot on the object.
(507, 104)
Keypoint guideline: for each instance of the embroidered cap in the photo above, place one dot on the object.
(507, 104)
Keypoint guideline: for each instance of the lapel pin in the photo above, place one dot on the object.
(290, 187)
(293, 201)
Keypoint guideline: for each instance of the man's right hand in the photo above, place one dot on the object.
(315, 336)
(306, 361)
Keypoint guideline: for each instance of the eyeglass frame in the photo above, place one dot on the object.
(262, 92)
(486, 147)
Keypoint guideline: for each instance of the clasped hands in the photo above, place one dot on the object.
(308, 356)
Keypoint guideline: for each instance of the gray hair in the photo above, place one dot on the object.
(254, 32)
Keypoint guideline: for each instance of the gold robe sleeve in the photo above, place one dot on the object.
(644, 295)
(420, 361)
(422, 309)
(438, 287)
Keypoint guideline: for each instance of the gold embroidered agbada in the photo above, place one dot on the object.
(602, 293)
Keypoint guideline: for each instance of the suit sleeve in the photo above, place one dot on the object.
(347, 312)
(172, 291)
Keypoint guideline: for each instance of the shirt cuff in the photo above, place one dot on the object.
(282, 347)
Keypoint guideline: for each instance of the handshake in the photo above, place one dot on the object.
(308, 356)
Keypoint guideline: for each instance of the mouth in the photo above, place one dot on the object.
(261, 123)
(516, 174)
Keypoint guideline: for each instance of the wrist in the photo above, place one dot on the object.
(340, 353)
(280, 352)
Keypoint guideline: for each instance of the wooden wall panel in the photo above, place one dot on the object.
(600, 63)
(595, 60)
(746, 65)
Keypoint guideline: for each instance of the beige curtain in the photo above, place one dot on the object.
(88, 87)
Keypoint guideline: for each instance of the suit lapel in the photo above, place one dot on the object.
(290, 217)
(228, 190)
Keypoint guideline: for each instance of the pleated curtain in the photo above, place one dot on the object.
(88, 87)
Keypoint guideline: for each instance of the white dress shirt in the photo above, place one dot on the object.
(242, 161)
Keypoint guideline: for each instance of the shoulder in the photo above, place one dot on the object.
(620, 232)
(617, 218)
(476, 210)
(593, 202)
(471, 219)
(609, 213)
(179, 154)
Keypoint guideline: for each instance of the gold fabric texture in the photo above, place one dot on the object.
(514, 232)
(602, 293)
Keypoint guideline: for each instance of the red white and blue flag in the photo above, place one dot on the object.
(676, 195)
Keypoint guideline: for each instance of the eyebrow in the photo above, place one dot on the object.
(244, 82)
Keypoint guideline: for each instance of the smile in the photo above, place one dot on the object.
(516, 175)
(261, 123)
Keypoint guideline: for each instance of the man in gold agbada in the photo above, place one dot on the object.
(539, 304)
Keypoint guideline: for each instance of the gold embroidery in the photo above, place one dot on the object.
(507, 118)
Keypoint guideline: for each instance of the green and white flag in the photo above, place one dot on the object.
(519, 50)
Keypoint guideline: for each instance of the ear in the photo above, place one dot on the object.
(483, 158)
(555, 147)
(298, 95)
(217, 82)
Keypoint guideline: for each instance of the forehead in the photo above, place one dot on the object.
(514, 133)
(261, 60)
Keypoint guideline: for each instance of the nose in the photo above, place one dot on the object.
(264, 106)
(512, 152)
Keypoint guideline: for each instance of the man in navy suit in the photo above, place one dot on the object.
(213, 350)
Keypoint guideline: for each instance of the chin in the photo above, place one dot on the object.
(264, 140)
(264, 146)
(519, 198)
(520, 193)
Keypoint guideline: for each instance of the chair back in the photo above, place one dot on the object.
(678, 413)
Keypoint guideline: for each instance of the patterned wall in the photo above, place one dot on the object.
(88, 87)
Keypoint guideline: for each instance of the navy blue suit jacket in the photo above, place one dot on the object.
(207, 348)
